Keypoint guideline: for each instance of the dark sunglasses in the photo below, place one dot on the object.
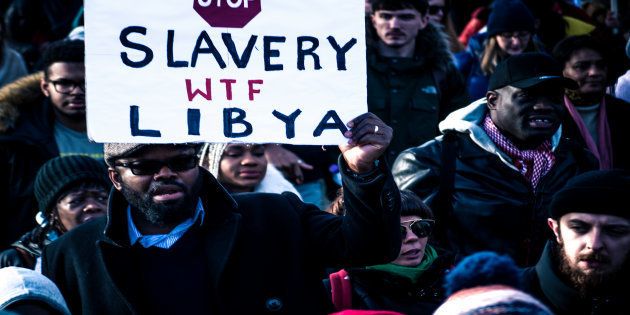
(150, 167)
(434, 9)
(422, 228)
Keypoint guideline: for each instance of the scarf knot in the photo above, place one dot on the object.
(532, 164)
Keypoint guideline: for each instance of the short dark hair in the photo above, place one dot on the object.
(566, 47)
(419, 5)
(63, 51)
(411, 204)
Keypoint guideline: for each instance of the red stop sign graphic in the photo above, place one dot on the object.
(227, 13)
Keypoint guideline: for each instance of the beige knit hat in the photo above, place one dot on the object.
(210, 157)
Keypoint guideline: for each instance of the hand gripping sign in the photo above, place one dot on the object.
(227, 13)
(224, 70)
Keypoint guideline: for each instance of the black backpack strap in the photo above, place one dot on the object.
(444, 199)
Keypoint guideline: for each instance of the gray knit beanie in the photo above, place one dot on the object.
(58, 174)
(210, 157)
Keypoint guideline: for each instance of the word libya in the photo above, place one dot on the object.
(233, 117)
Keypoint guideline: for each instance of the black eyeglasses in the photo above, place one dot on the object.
(65, 86)
(520, 35)
(422, 228)
(435, 9)
(150, 167)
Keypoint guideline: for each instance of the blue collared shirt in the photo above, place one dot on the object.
(162, 240)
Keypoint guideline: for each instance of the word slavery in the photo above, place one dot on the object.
(306, 47)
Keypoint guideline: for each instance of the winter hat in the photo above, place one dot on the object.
(526, 70)
(491, 300)
(114, 151)
(19, 284)
(597, 192)
(56, 175)
(210, 157)
(484, 283)
(509, 16)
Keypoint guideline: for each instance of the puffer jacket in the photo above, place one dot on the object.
(412, 95)
(26, 142)
(493, 206)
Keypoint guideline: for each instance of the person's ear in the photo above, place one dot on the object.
(114, 176)
(373, 19)
(492, 98)
(554, 225)
(43, 85)
(424, 20)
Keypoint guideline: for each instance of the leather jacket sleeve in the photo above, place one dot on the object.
(418, 169)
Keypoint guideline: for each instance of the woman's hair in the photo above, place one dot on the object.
(411, 204)
(492, 53)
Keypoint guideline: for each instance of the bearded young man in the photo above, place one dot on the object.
(176, 242)
(587, 268)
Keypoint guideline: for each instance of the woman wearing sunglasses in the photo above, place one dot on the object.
(412, 283)
(510, 31)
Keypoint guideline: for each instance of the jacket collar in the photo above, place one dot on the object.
(469, 120)
(220, 227)
(217, 202)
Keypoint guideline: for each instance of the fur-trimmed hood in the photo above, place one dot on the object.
(18, 96)
(432, 47)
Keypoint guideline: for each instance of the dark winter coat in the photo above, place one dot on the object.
(264, 252)
(380, 290)
(412, 95)
(26, 143)
(618, 113)
(493, 206)
(545, 283)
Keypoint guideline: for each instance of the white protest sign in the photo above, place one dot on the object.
(173, 71)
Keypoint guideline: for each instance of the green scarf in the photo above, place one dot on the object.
(412, 273)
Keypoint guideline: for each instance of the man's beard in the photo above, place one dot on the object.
(165, 213)
(594, 282)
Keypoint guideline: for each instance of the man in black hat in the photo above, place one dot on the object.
(587, 268)
(492, 173)
(175, 242)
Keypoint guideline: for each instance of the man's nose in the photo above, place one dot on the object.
(594, 240)
(394, 22)
(545, 103)
(164, 172)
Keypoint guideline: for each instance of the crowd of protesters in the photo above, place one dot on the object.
(489, 176)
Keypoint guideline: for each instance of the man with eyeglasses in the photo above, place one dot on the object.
(412, 80)
(176, 242)
(42, 116)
